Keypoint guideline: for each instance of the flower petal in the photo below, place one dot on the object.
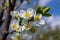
(12, 37)
(23, 28)
(17, 34)
(42, 22)
(14, 13)
(30, 10)
(14, 26)
(21, 13)
(18, 29)
(40, 16)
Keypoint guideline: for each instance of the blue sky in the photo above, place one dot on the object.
(55, 11)
(55, 7)
(53, 4)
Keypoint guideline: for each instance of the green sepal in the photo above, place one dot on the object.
(32, 30)
(16, 18)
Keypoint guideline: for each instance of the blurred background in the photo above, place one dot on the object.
(50, 31)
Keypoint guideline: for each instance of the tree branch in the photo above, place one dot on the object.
(1, 13)
(5, 25)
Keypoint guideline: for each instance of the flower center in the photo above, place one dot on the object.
(18, 29)
(14, 26)
(17, 38)
(37, 17)
(26, 14)
(27, 26)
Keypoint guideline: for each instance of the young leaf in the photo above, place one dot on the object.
(45, 9)
(47, 15)
(39, 10)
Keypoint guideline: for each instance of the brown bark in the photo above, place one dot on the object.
(1, 15)
(5, 25)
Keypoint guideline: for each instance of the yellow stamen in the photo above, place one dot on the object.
(37, 17)
(16, 16)
(27, 26)
(14, 26)
(17, 38)
(18, 29)
(26, 14)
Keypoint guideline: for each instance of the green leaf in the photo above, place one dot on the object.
(39, 10)
(47, 15)
(45, 9)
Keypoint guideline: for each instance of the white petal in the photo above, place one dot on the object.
(12, 37)
(26, 18)
(40, 16)
(28, 28)
(34, 13)
(13, 13)
(31, 15)
(42, 22)
(17, 25)
(16, 12)
(30, 10)
(21, 13)
(17, 34)
(23, 28)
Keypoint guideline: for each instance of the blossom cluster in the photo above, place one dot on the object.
(26, 20)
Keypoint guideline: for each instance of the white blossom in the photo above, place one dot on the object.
(27, 14)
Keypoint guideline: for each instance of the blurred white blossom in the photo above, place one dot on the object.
(14, 14)
(27, 14)
(16, 37)
(28, 21)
